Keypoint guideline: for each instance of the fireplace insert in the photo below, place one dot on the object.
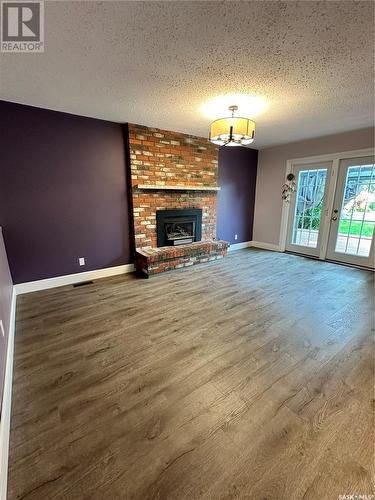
(178, 227)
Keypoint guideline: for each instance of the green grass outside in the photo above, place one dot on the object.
(355, 228)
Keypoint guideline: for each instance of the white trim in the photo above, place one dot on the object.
(285, 214)
(334, 156)
(7, 403)
(266, 246)
(70, 279)
(332, 181)
(254, 244)
(342, 155)
(238, 246)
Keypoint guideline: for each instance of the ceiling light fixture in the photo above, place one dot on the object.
(232, 131)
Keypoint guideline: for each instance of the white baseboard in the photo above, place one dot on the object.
(255, 244)
(238, 246)
(70, 279)
(265, 246)
(7, 404)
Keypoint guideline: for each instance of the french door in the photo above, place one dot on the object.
(332, 212)
(351, 235)
(307, 208)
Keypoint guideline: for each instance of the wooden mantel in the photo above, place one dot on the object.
(177, 187)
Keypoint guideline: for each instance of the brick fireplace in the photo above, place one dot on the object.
(161, 160)
(171, 171)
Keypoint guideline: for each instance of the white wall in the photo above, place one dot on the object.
(271, 175)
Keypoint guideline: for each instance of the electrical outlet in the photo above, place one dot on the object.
(2, 328)
(81, 261)
(235, 236)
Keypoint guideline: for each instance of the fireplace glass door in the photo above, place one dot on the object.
(179, 226)
(180, 232)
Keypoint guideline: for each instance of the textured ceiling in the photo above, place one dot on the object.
(159, 63)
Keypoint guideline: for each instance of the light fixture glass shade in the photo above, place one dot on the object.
(232, 131)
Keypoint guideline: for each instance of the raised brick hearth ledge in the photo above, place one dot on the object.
(151, 261)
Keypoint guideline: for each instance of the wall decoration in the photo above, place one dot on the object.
(288, 187)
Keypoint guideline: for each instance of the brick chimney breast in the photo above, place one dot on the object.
(171, 159)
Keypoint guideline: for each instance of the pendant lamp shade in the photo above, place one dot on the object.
(232, 131)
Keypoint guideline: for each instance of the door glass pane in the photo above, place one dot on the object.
(309, 203)
(357, 215)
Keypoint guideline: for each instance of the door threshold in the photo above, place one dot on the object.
(356, 266)
(314, 257)
(346, 264)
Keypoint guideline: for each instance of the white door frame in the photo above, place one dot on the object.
(335, 158)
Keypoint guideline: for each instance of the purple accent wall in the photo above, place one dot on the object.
(6, 288)
(63, 192)
(235, 205)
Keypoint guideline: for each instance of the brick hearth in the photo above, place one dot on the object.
(157, 260)
(164, 158)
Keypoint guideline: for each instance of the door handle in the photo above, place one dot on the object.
(334, 216)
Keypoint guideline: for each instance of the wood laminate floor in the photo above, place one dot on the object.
(249, 378)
